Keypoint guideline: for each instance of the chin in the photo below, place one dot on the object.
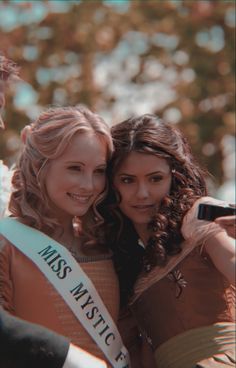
(80, 213)
(141, 222)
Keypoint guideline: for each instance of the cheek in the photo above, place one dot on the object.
(166, 189)
(169, 186)
(163, 190)
(123, 207)
(125, 197)
(48, 183)
(56, 182)
(121, 192)
(100, 184)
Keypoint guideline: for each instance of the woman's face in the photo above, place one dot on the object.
(76, 178)
(142, 181)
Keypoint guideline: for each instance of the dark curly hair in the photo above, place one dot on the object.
(150, 135)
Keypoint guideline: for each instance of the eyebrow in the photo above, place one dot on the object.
(81, 163)
(149, 174)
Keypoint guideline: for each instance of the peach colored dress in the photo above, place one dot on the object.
(25, 292)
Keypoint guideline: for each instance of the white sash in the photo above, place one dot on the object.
(68, 278)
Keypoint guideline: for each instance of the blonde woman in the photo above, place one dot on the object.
(58, 182)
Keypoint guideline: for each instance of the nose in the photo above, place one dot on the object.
(142, 191)
(87, 182)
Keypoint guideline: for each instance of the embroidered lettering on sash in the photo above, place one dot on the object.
(60, 267)
(74, 286)
(92, 312)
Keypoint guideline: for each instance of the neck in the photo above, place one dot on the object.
(143, 232)
(65, 234)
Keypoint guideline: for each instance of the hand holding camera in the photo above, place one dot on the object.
(222, 215)
(199, 222)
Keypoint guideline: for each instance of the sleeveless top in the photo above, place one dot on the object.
(26, 293)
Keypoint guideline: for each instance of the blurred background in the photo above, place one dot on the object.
(124, 57)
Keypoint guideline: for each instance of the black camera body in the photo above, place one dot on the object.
(210, 212)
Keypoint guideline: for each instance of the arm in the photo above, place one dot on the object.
(79, 358)
(219, 246)
(24, 344)
(228, 223)
(221, 249)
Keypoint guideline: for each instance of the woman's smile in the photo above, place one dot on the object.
(80, 198)
(143, 207)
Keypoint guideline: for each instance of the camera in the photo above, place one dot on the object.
(210, 212)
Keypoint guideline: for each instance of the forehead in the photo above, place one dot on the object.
(86, 146)
(138, 163)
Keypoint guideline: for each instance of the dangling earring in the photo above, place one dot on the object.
(96, 219)
(76, 226)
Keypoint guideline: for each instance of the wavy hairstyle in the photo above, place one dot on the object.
(150, 135)
(46, 139)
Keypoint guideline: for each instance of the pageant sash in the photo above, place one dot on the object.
(68, 278)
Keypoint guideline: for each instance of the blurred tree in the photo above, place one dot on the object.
(174, 58)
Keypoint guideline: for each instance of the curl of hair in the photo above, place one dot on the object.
(47, 139)
(93, 224)
(25, 132)
(150, 135)
(9, 70)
